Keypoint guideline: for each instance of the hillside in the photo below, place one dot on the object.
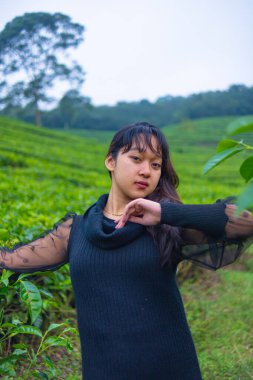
(192, 143)
(46, 173)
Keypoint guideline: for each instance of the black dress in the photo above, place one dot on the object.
(131, 318)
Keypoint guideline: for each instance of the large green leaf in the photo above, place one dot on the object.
(55, 341)
(245, 199)
(220, 157)
(242, 125)
(26, 329)
(30, 295)
(226, 144)
(246, 169)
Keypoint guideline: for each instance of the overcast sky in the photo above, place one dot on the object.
(144, 49)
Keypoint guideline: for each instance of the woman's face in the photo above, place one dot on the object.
(135, 174)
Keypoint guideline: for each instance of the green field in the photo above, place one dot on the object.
(45, 174)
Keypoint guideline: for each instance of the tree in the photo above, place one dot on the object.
(31, 46)
(70, 104)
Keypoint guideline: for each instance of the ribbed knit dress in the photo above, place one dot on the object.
(131, 318)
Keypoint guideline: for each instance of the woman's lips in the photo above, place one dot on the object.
(141, 185)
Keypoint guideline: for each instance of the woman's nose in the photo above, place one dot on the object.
(145, 169)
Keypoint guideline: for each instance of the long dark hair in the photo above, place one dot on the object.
(166, 237)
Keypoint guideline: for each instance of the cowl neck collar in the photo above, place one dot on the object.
(101, 231)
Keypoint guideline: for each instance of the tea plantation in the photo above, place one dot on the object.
(46, 173)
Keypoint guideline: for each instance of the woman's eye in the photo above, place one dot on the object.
(157, 165)
(135, 158)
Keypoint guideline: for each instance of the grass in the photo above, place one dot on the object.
(220, 316)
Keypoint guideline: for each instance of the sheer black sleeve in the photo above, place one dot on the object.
(47, 252)
(212, 236)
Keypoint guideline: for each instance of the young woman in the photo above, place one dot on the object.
(123, 254)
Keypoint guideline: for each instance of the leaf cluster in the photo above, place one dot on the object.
(228, 148)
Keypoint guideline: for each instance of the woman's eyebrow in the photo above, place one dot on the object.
(156, 154)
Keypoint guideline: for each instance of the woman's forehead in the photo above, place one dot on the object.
(146, 149)
(143, 143)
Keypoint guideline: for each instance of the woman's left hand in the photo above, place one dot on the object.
(142, 211)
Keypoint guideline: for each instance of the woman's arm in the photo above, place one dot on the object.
(227, 225)
(216, 220)
(211, 234)
(47, 252)
(216, 252)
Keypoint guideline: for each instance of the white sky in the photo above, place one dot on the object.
(143, 49)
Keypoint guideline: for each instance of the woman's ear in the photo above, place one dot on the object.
(110, 163)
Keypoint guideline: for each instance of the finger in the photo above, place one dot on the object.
(136, 219)
(129, 211)
(125, 217)
(132, 208)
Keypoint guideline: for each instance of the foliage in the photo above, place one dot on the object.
(228, 148)
(31, 46)
(219, 312)
(236, 100)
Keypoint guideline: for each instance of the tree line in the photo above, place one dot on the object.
(75, 111)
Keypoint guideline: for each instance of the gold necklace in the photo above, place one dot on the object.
(112, 213)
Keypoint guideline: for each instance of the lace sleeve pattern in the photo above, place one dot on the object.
(47, 252)
(212, 235)
(214, 253)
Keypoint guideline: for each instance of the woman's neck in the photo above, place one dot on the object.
(115, 204)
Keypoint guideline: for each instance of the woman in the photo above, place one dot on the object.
(123, 254)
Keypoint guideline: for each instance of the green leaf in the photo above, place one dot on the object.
(46, 293)
(16, 321)
(226, 144)
(12, 358)
(220, 157)
(7, 367)
(242, 125)
(4, 291)
(5, 277)
(245, 199)
(26, 329)
(246, 169)
(69, 346)
(40, 375)
(30, 295)
(46, 359)
(33, 355)
(55, 326)
(4, 234)
(20, 352)
(70, 329)
(24, 275)
(7, 324)
(55, 341)
(22, 346)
